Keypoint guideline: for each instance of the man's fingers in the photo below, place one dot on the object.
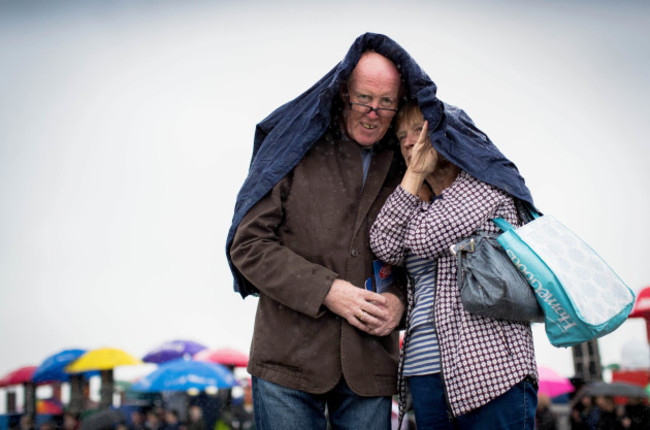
(377, 312)
(363, 309)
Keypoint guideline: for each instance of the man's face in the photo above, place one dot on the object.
(374, 82)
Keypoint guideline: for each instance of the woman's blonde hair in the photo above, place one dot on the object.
(408, 112)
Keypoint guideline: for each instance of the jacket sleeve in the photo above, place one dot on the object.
(462, 209)
(388, 232)
(274, 269)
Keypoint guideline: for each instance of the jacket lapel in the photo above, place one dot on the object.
(379, 167)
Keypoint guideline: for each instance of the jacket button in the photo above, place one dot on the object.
(354, 253)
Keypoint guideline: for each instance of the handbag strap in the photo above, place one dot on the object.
(506, 226)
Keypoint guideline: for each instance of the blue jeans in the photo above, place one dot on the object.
(515, 409)
(279, 407)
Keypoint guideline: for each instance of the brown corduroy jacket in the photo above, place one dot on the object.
(311, 229)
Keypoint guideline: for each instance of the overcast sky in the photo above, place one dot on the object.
(126, 131)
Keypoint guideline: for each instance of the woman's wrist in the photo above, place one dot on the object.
(412, 181)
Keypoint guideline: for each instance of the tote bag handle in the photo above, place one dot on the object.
(506, 226)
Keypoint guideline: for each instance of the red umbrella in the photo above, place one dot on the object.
(552, 383)
(225, 356)
(18, 376)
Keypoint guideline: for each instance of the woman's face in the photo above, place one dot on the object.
(408, 131)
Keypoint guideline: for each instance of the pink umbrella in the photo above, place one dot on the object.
(225, 356)
(552, 383)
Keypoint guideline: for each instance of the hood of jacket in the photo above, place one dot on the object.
(284, 137)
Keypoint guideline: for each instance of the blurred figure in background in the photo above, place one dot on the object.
(47, 425)
(171, 420)
(70, 421)
(243, 418)
(544, 417)
(153, 421)
(26, 423)
(195, 418)
(137, 421)
(584, 414)
(608, 418)
(637, 415)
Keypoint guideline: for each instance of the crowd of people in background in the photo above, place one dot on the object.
(589, 413)
(596, 413)
(236, 414)
(164, 419)
(602, 412)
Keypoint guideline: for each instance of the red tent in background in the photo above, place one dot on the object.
(641, 309)
(636, 377)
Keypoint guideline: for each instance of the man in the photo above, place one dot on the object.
(324, 331)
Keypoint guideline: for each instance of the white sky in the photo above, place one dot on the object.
(126, 131)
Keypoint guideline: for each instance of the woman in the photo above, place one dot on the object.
(461, 369)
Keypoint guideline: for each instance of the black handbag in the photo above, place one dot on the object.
(490, 285)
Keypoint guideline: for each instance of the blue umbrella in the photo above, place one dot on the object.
(172, 350)
(51, 369)
(182, 374)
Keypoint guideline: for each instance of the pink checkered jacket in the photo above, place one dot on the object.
(481, 357)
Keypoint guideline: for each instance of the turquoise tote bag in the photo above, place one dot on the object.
(581, 296)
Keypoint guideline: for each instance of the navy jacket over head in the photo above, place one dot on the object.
(285, 136)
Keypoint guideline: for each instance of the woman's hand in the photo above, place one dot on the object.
(423, 157)
(422, 164)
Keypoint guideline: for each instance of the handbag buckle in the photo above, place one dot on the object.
(468, 246)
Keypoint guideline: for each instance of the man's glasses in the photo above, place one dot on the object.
(360, 107)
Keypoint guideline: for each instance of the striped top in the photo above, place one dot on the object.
(422, 355)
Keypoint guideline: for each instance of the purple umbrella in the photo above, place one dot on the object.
(173, 350)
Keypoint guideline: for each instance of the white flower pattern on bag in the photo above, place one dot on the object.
(589, 282)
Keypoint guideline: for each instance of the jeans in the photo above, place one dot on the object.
(279, 407)
(515, 409)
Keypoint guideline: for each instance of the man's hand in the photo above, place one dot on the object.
(376, 314)
(395, 309)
